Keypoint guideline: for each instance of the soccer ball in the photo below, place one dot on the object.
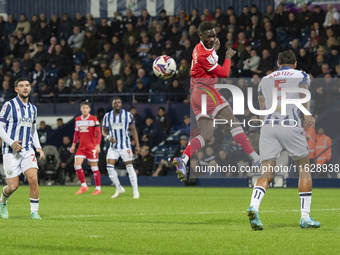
(164, 67)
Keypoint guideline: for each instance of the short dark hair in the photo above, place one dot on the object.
(206, 25)
(86, 102)
(59, 119)
(116, 98)
(286, 57)
(19, 80)
(161, 108)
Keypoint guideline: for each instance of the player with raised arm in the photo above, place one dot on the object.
(204, 73)
(18, 132)
(274, 137)
(116, 125)
(88, 131)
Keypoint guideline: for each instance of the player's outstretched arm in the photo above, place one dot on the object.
(98, 138)
(75, 139)
(223, 71)
(7, 139)
(135, 136)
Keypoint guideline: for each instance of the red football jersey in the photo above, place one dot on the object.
(203, 62)
(86, 128)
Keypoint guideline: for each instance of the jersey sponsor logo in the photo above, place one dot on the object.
(26, 122)
(83, 129)
(117, 125)
(211, 60)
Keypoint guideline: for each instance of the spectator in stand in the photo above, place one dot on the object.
(130, 18)
(185, 127)
(292, 27)
(144, 162)
(2, 26)
(44, 132)
(65, 26)
(322, 89)
(91, 25)
(194, 19)
(182, 20)
(34, 25)
(80, 21)
(164, 19)
(144, 48)
(280, 17)
(53, 43)
(27, 64)
(71, 82)
(323, 149)
(333, 58)
(116, 65)
(304, 18)
(77, 89)
(176, 92)
(255, 31)
(245, 19)
(7, 65)
(224, 159)
(61, 89)
(42, 55)
(128, 77)
(101, 89)
(43, 33)
(208, 15)
(117, 45)
(16, 71)
(157, 46)
(140, 89)
(266, 63)
(110, 81)
(332, 13)
(80, 72)
(23, 25)
(38, 76)
(59, 62)
(30, 46)
(318, 16)
(269, 14)
(304, 61)
(106, 54)
(131, 47)
(66, 50)
(316, 68)
(6, 93)
(164, 120)
(152, 133)
(53, 24)
(13, 49)
(251, 64)
(76, 39)
(10, 26)
(240, 42)
(130, 31)
(40, 95)
(89, 45)
(220, 17)
(90, 83)
(66, 159)
(121, 89)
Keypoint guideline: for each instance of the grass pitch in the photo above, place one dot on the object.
(168, 221)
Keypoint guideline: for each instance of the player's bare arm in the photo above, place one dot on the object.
(262, 103)
(135, 136)
(16, 146)
(309, 121)
(217, 44)
(42, 154)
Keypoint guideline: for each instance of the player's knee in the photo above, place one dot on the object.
(207, 137)
(13, 187)
(33, 180)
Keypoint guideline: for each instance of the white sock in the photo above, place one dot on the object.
(98, 188)
(254, 156)
(34, 205)
(256, 197)
(185, 158)
(133, 178)
(4, 197)
(305, 202)
(83, 184)
(113, 175)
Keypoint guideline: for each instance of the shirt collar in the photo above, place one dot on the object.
(284, 68)
(21, 103)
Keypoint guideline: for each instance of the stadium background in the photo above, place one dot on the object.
(158, 93)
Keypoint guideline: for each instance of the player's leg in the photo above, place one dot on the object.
(305, 192)
(238, 134)
(110, 165)
(7, 191)
(78, 161)
(206, 128)
(32, 178)
(133, 178)
(96, 176)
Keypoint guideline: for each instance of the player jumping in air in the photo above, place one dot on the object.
(204, 73)
(18, 132)
(116, 127)
(274, 137)
(87, 129)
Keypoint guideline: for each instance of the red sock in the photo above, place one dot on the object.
(195, 145)
(96, 175)
(241, 138)
(81, 175)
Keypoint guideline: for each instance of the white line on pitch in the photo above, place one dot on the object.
(181, 213)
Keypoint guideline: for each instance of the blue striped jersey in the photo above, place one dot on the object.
(285, 77)
(19, 119)
(118, 126)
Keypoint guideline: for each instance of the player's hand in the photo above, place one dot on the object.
(42, 154)
(309, 121)
(97, 148)
(230, 53)
(72, 149)
(111, 140)
(16, 146)
(137, 149)
(217, 44)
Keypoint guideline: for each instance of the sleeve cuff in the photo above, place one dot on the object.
(213, 67)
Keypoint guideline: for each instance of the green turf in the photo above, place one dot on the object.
(168, 221)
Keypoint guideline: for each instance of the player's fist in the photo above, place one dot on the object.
(42, 154)
(16, 146)
(97, 148)
(72, 148)
(217, 44)
(230, 53)
(309, 121)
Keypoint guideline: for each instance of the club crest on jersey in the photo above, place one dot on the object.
(9, 172)
(211, 60)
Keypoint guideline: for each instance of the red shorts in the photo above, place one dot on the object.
(89, 153)
(215, 102)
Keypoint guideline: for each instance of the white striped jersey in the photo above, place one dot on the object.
(19, 119)
(118, 126)
(285, 77)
